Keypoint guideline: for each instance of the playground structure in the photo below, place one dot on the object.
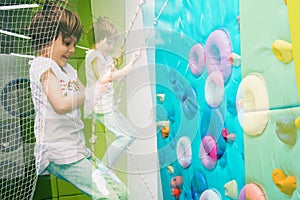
(215, 98)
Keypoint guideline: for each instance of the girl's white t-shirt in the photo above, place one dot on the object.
(59, 137)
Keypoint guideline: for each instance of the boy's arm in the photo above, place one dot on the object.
(118, 74)
(102, 77)
(60, 103)
(97, 65)
(81, 87)
(94, 92)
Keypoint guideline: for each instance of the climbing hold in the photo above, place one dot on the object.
(164, 127)
(184, 152)
(286, 184)
(189, 103)
(218, 51)
(252, 191)
(176, 181)
(235, 59)
(214, 89)
(162, 124)
(198, 185)
(197, 59)
(211, 194)
(209, 152)
(176, 185)
(297, 123)
(228, 137)
(286, 129)
(170, 169)
(282, 51)
(165, 131)
(252, 103)
(161, 97)
(231, 189)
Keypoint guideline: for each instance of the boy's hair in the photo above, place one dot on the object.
(50, 21)
(100, 29)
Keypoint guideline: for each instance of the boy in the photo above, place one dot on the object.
(99, 64)
(57, 95)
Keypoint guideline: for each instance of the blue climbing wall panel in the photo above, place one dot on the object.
(198, 72)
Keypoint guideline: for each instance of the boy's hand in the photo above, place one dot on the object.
(136, 56)
(102, 85)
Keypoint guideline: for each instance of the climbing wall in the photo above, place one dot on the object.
(269, 83)
(198, 72)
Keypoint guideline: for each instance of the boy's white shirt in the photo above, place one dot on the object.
(102, 103)
(59, 138)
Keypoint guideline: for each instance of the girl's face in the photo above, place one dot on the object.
(105, 46)
(63, 49)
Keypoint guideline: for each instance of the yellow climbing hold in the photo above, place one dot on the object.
(118, 57)
(282, 51)
(170, 169)
(297, 123)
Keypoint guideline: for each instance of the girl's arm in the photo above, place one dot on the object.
(60, 103)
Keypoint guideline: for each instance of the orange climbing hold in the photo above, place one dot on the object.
(165, 131)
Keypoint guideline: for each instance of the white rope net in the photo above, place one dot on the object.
(18, 175)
